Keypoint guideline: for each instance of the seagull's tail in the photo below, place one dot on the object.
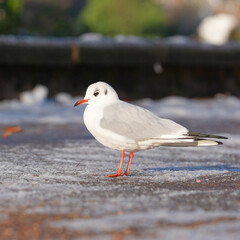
(205, 142)
(191, 139)
(200, 138)
(190, 143)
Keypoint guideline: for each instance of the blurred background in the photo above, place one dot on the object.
(147, 18)
(180, 59)
(144, 48)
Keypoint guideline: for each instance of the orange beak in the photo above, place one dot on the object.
(81, 102)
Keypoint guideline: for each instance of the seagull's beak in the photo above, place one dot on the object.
(81, 102)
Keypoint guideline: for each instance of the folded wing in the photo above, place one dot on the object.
(141, 125)
(137, 123)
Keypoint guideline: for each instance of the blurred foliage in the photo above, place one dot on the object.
(128, 17)
(28, 17)
(146, 18)
(184, 21)
(235, 35)
(10, 12)
(46, 19)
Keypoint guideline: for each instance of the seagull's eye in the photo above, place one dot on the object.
(96, 93)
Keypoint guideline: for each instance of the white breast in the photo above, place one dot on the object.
(92, 117)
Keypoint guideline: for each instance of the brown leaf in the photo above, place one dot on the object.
(8, 131)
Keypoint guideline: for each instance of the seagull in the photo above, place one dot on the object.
(129, 128)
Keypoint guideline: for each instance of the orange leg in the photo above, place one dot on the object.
(129, 163)
(119, 172)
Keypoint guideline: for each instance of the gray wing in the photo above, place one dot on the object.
(137, 123)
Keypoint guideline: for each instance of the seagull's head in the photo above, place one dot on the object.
(97, 93)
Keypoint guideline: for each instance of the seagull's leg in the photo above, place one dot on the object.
(119, 172)
(129, 163)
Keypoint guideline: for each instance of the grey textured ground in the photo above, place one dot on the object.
(52, 185)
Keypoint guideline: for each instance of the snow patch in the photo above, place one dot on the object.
(34, 107)
(37, 95)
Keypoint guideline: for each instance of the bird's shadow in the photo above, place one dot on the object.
(219, 167)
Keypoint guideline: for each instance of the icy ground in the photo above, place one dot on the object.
(52, 180)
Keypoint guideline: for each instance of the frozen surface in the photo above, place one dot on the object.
(54, 171)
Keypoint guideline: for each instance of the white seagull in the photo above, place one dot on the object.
(129, 128)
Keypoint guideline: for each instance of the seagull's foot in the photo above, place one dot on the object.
(117, 174)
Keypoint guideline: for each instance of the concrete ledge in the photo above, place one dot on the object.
(112, 52)
(136, 67)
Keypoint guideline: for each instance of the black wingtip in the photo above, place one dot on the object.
(222, 137)
(203, 135)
